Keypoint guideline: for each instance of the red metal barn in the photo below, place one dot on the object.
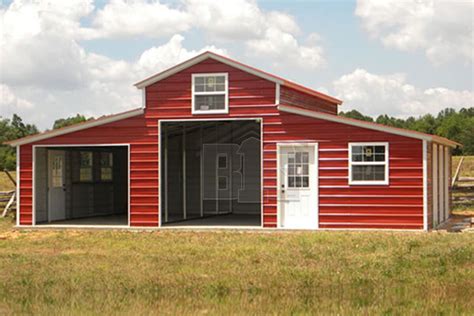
(220, 144)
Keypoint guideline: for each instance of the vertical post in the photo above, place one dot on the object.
(184, 170)
(166, 173)
(201, 156)
(425, 185)
(18, 185)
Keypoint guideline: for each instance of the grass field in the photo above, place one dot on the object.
(179, 272)
(172, 272)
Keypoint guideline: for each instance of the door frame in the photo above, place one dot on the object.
(48, 199)
(33, 172)
(279, 146)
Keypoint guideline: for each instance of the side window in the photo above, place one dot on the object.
(368, 163)
(85, 171)
(210, 93)
(106, 166)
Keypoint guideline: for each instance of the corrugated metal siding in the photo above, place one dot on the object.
(398, 205)
(290, 96)
(141, 134)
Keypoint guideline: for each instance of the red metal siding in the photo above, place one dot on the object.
(397, 205)
(141, 134)
(296, 98)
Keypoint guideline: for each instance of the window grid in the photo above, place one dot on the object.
(368, 163)
(210, 93)
(298, 170)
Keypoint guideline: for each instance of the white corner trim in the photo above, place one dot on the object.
(277, 93)
(425, 185)
(77, 127)
(143, 98)
(18, 186)
(353, 122)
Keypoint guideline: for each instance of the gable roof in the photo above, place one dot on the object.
(76, 127)
(233, 63)
(368, 125)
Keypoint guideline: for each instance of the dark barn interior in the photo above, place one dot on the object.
(211, 173)
(81, 185)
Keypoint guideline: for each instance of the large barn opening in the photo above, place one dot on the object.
(81, 185)
(211, 173)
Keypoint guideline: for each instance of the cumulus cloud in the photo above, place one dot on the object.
(156, 59)
(10, 103)
(444, 30)
(390, 94)
(120, 18)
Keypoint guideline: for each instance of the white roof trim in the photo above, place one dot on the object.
(76, 127)
(353, 122)
(193, 61)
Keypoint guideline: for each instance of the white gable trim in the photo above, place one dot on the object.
(353, 122)
(76, 127)
(193, 61)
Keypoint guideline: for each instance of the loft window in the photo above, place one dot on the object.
(106, 166)
(210, 93)
(368, 163)
(85, 170)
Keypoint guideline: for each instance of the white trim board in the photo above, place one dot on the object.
(362, 124)
(77, 127)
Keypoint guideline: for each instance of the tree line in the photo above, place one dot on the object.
(449, 123)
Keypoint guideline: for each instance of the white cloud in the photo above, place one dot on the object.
(442, 29)
(159, 58)
(374, 94)
(10, 103)
(283, 48)
(120, 18)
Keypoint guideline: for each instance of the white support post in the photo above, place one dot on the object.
(184, 171)
(201, 156)
(425, 185)
(166, 174)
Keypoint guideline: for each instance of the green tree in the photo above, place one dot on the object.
(356, 115)
(10, 130)
(70, 121)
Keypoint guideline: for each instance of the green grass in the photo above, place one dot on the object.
(467, 170)
(178, 272)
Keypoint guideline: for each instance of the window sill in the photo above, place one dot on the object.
(210, 112)
(368, 182)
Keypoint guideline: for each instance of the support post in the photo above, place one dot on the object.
(166, 174)
(184, 171)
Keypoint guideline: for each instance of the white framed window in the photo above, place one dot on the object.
(368, 163)
(210, 93)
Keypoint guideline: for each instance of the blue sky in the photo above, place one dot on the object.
(400, 58)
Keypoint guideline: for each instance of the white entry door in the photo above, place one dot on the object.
(56, 185)
(298, 181)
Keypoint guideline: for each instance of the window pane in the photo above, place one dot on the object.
(297, 182)
(291, 182)
(356, 157)
(291, 170)
(305, 182)
(222, 183)
(305, 157)
(298, 157)
(222, 163)
(209, 102)
(305, 170)
(368, 153)
(291, 158)
(199, 80)
(368, 173)
(380, 149)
